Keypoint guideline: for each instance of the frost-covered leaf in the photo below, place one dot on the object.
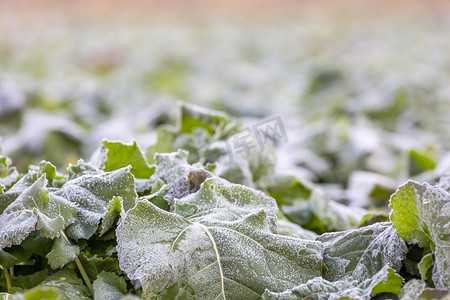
(362, 252)
(186, 185)
(212, 253)
(219, 200)
(92, 194)
(80, 169)
(55, 179)
(384, 281)
(421, 214)
(417, 290)
(18, 188)
(116, 155)
(8, 174)
(35, 210)
(62, 253)
(109, 286)
(171, 166)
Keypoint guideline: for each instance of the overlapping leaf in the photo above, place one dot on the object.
(219, 242)
(421, 214)
(92, 195)
(35, 210)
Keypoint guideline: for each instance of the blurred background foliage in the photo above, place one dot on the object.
(363, 89)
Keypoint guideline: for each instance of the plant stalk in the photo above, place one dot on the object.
(80, 267)
(7, 279)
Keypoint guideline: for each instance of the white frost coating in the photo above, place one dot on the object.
(92, 195)
(412, 290)
(367, 250)
(220, 252)
(222, 200)
(171, 166)
(322, 289)
(34, 210)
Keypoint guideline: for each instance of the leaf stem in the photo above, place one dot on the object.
(84, 274)
(7, 279)
(80, 267)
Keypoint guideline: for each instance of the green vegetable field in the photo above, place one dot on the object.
(213, 159)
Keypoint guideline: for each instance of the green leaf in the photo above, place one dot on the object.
(14, 255)
(420, 213)
(333, 215)
(288, 189)
(35, 210)
(114, 210)
(96, 265)
(426, 266)
(8, 174)
(116, 155)
(362, 252)
(391, 284)
(62, 285)
(215, 122)
(219, 246)
(165, 138)
(420, 161)
(92, 194)
(54, 178)
(109, 286)
(321, 214)
(384, 281)
(29, 281)
(62, 253)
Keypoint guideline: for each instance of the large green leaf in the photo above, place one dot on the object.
(421, 214)
(35, 210)
(116, 155)
(92, 194)
(362, 252)
(220, 242)
(384, 281)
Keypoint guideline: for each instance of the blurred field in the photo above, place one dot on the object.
(50, 11)
(75, 72)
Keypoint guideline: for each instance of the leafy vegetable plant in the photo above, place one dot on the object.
(166, 223)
